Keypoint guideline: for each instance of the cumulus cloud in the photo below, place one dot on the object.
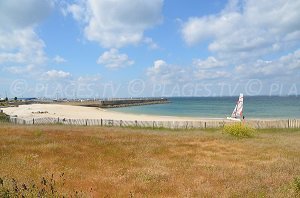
(210, 62)
(208, 69)
(89, 78)
(19, 43)
(211, 75)
(114, 24)
(21, 46)
(288, 65)
(15, 14)
(164, 73)
(56, 74)
(151, 44)
(77, 11)
(58, 59)
(113, 59)
(248, 28)
(20, 70)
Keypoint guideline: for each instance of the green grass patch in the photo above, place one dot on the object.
(240, 130)
(38, 132)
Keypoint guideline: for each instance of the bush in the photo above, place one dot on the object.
(239, 130)
(4, 117)
(13, 188)
(296, 184)
(46, 187)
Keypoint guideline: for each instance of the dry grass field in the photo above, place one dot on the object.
(124, 162)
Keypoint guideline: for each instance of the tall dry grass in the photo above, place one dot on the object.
(122, 162)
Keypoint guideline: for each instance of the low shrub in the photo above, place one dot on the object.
(46, 187)
(239, 130)
(296, 184)
(4, 117)
(13, 188)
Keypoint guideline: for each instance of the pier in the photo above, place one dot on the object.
(114, 103)
(132, 102)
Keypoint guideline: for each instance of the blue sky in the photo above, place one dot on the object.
(133, 48)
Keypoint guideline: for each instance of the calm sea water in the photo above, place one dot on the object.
(220, 107)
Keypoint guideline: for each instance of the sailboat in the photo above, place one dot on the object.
(237, 113)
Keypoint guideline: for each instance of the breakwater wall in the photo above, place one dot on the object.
(258, 124)
(114, 103)
(131, 102)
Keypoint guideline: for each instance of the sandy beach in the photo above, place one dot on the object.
(80, 112)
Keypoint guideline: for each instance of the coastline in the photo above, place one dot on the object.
(79, 112)
(31, 111)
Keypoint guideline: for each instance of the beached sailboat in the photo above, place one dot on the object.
(237, 113)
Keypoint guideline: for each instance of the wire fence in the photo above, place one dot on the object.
(259, 124)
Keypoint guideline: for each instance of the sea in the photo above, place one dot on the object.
(220, 107)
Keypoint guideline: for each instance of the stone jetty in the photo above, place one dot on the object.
(131, 102)
(114, 103)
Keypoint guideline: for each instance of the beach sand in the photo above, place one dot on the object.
(79, 112)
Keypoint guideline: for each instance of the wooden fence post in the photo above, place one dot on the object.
(288, 123)
(33, 121)
(205, 125)
(86, 122)
(136, 124)
(121, 123)
(101, 122)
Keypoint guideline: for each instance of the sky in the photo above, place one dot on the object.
(149, 48)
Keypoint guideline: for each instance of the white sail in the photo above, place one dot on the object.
(238, 110)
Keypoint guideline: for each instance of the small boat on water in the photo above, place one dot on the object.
(237, 114)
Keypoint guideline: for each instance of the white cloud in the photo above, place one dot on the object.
(248, 28)
(58, 59)
(210, 62)
(151, 44)
(77, 11)
(114, 24)
(164, 73)
(288, 65)
(20, 70)
(113, 59)
(161, 72)
(55, 74)
(19, 43)
(89, 78)
(211, 75)
(15, 14)
(21, 46)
